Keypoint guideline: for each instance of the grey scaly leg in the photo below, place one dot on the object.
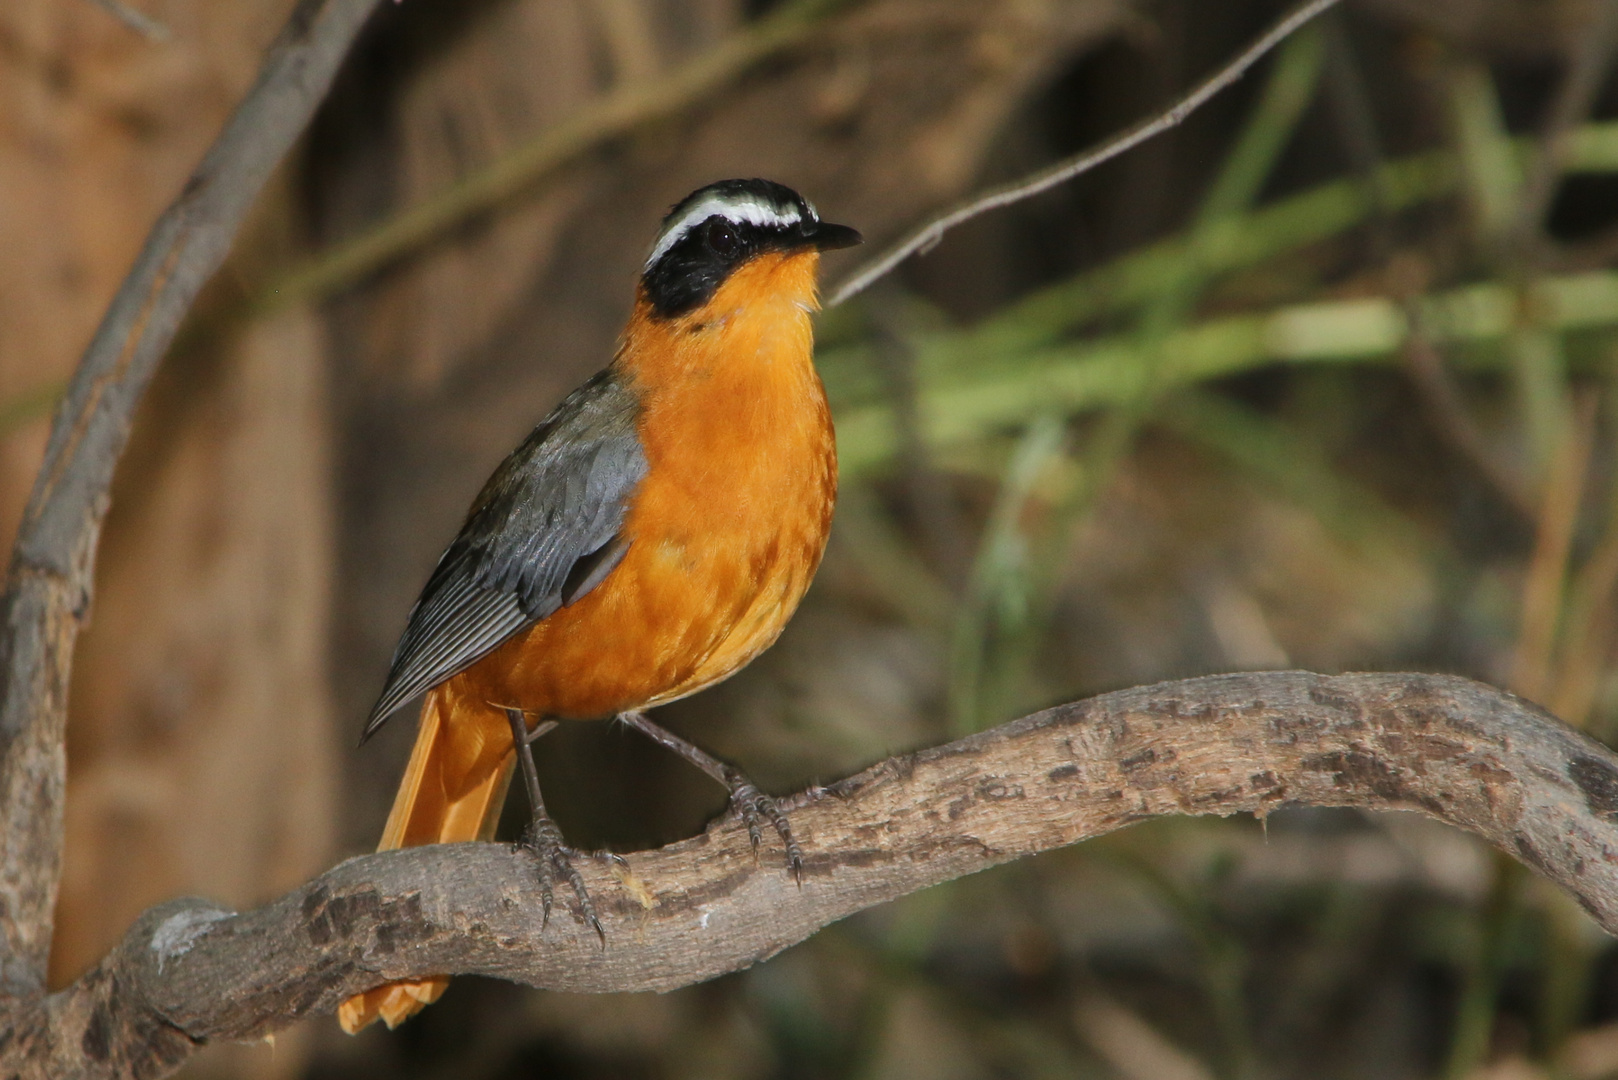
(542, 837)
(752, 804)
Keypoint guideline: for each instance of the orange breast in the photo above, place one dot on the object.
(728, 527)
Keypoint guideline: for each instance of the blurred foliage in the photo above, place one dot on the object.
(1351, 404)
(1252, 338)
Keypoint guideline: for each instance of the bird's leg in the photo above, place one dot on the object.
(745, 797)
(542, 837)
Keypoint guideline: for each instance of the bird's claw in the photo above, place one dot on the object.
(555, 858)
(755, 807)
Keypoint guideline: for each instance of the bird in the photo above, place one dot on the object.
(650, 537)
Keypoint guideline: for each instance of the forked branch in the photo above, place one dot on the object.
(1462, 752)
(48, 588)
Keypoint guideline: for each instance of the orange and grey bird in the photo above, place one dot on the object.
(651, 536)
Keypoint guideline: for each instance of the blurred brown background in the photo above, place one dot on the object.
(1323, 378)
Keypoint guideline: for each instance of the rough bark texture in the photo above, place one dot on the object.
(1460, 751)
(49, 589)
(200, 737)
(201, 752)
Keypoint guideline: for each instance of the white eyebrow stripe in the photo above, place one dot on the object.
(744, 210)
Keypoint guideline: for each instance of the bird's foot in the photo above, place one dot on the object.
(750, 804)
(544, 840)
(754, 808)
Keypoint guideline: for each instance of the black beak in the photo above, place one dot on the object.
(829, 237)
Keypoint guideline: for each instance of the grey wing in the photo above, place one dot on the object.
(546, 529)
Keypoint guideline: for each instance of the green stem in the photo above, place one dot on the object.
(1105, 372)
(1566, 981)
(1480, 987)
(996, 586)
(1041, 319)
(1012, 574)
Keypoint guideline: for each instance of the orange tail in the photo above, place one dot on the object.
(452, 790)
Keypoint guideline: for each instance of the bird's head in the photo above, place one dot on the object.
(717, 230)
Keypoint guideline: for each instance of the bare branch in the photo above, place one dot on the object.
(1442, 399)
(48, 591)
(927, 236)
(138, 21)
(1462, 752)
(1591, 57)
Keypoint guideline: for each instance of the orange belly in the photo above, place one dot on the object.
(725, 532)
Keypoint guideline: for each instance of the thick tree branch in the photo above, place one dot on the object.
(48, 592)
(1462, 752)
(49, 585)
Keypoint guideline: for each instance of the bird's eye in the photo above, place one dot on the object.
(723, 239)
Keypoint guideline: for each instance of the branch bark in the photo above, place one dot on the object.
(1465, 753)
(48, 591)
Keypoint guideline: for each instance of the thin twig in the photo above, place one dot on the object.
(48, 591)
(1574, 97)
(1447, 409)
(1544, 587)
(927, 236)
(1422, 357)
(1350, 101)
(138, 21)
(189, 972)
(1589, 621)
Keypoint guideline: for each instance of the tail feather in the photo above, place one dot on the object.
(452, 790)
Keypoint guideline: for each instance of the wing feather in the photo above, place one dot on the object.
(556, 504)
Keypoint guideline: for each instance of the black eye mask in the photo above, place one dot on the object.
(749, 218)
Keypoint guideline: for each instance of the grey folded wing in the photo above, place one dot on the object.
(546, 529)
